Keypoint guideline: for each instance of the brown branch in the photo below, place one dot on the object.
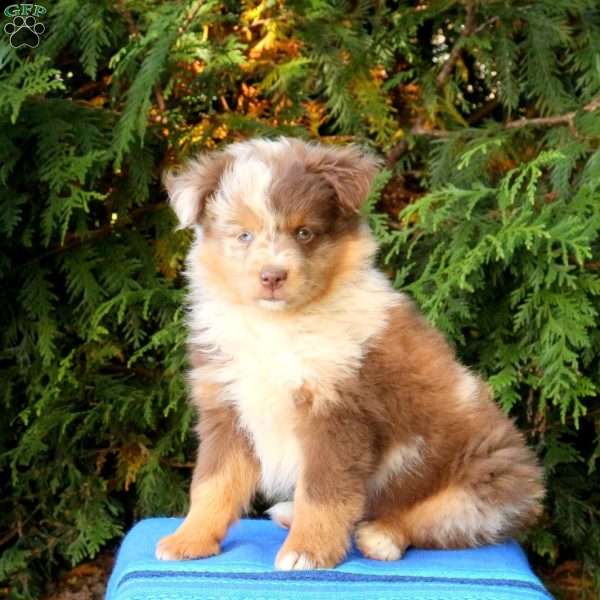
(399, 149)
(126, 14)
(73, 240)
(160, 98)
(191, 15)
(8, 535)
(566, 119)
(395, 153)
(483, 111)
(177, 465)
(143, 372)
(434, 133)
(485, 25)
(468, 30)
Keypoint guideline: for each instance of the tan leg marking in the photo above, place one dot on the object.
(216, 501)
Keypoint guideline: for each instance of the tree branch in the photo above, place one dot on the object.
(176, 464)
(160, 98)
(191, 15)
(468, 30)
(566, 119)
(418, 130)
(73, 240)
(8, 535)
(395, 153)
(482, 112)
(126, 14)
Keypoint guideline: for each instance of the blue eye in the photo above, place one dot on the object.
(245, 237)
(304, 234)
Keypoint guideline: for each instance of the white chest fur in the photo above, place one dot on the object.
(268, 357)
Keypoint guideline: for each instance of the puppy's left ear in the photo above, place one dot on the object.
(190, 187)
(349, 170)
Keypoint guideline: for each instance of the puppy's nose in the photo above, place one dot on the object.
(272, 277)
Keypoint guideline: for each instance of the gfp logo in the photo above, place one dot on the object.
(24, 29)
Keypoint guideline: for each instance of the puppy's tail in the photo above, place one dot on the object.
(502, 475)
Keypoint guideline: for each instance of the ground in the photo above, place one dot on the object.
(85, 582)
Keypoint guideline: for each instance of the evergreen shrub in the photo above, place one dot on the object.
(488, 213)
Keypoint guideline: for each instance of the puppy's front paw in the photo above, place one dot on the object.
(183, 545)
(298, 557)
(294, 561)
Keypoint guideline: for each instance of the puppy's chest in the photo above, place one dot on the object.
(263, 372)
(267, 414)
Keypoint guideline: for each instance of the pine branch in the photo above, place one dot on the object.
(134, 31)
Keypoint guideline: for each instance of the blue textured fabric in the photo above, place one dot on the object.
(244, 570)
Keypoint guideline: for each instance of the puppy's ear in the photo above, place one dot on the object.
(191, 186)
(349, 170)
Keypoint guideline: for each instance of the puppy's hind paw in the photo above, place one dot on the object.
(282, 514)
(374, 542)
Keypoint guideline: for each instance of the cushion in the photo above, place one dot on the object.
(244, 570)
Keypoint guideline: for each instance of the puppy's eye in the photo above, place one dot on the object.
(245, 237)
(304, 234)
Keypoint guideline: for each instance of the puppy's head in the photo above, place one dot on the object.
(280, 218)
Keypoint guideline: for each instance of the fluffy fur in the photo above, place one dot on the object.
(324, 388)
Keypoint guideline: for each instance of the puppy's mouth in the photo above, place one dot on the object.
(272, 301)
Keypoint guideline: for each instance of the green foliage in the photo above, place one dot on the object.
(488, 213)
(504, 271)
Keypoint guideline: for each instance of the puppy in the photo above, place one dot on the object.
(318, 384)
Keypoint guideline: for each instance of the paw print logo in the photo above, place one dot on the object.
(24, 31)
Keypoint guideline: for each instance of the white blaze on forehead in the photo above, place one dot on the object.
(264, 148)
(247, 181)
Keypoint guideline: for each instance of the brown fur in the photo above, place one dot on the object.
(203, 177)
(399, 442)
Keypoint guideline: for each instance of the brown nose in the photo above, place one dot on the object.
(272, 277)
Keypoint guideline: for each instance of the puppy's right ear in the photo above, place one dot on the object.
(191, 186)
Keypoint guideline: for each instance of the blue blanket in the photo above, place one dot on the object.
(244, 570)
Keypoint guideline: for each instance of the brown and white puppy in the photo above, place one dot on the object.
(317, 383)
